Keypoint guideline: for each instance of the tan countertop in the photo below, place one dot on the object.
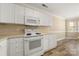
(16, 36)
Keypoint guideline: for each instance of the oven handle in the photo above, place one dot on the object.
(33, 39)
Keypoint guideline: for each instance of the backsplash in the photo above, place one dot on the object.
(12, 29)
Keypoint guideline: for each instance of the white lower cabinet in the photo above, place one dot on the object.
(11, 47)
(25, 47)
(19, 46)
(52, 41)
(15, 47)
(49, 42)
(45, 43)
(3, 48)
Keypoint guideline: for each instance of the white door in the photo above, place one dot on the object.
(6, 13)
(19, 14)
(15, 47)
(3, 48)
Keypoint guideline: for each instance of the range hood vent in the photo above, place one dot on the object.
(44, 5)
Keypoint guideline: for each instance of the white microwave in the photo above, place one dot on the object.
(32, 20)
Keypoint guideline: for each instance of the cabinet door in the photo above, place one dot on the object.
(44, 20)
(47, 20)
(3, 48)
(15, 47)
(45, 43)
(7, 13)
(50, 20)
(51, 41)
(29, 12)
(19, 14)
(26, 47)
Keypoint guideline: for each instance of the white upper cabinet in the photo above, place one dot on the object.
(6, 13)
(19, 14)
(33, 17)
(41, 16)
(11, 13)
(29, 12)
(44, 21)
(49, 20)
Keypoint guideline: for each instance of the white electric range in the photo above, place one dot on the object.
(33, 44)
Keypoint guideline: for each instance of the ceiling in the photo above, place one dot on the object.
(60, 9)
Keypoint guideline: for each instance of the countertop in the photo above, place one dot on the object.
(18, 36)
(24, 35)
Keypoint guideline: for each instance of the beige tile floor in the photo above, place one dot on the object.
(66, 48)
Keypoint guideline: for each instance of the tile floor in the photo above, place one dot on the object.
(66, 48)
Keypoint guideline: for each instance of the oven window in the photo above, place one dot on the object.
(34, 44)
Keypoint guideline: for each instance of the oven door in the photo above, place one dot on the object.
(34, 45)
